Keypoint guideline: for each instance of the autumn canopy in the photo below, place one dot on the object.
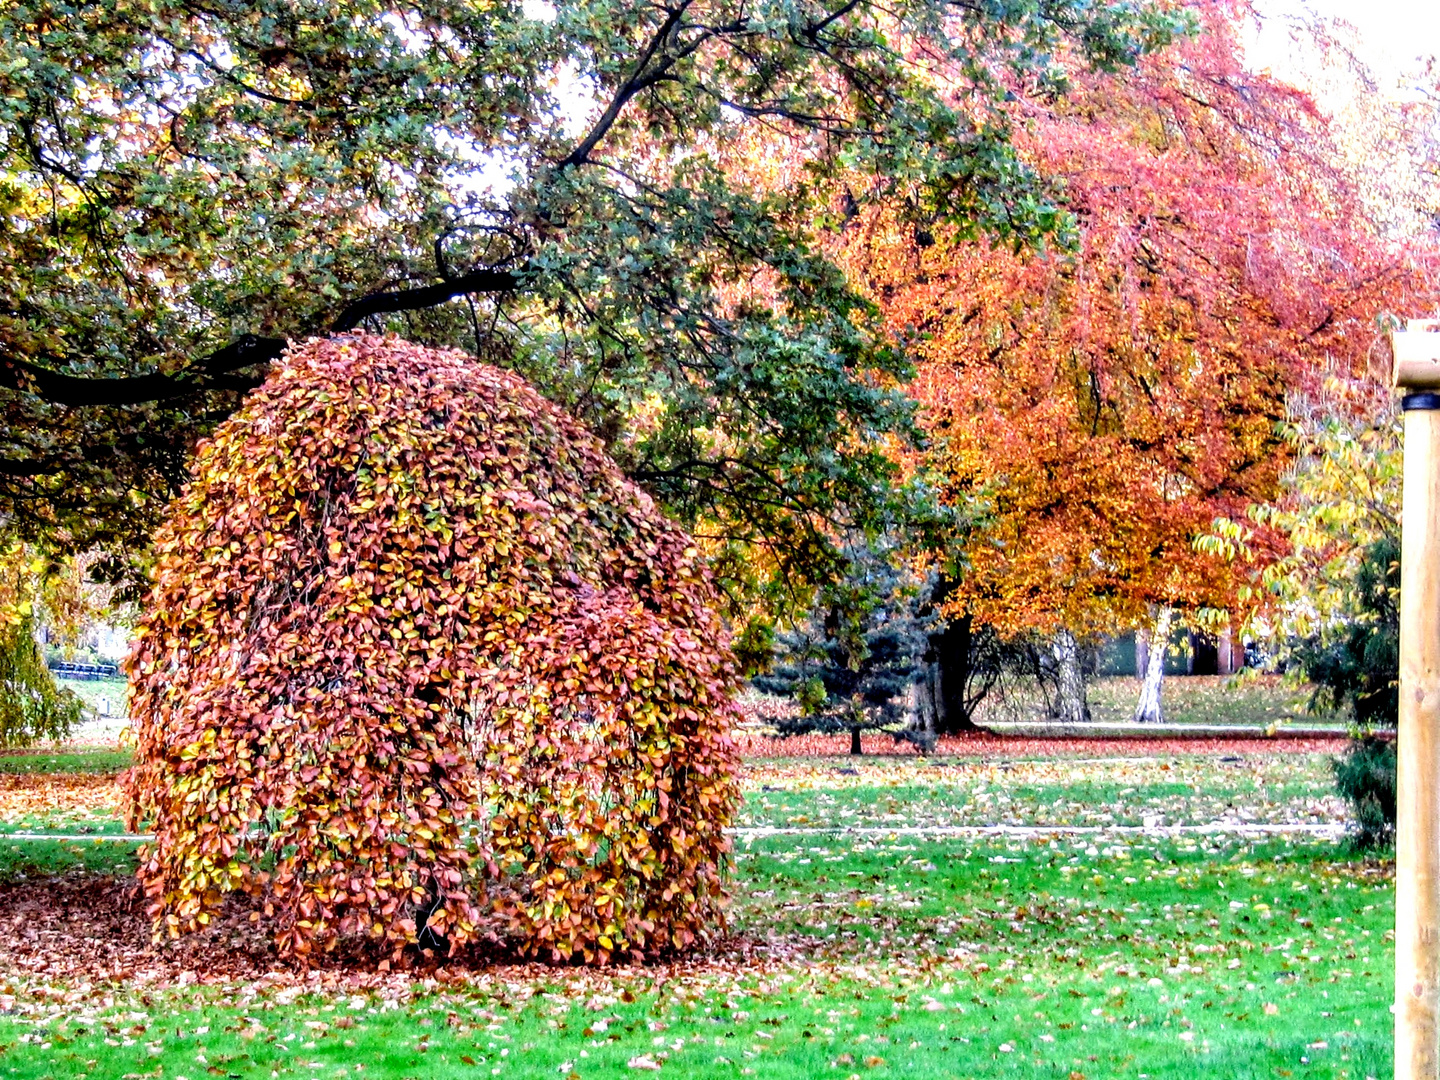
(420, 663)
(1107, 402)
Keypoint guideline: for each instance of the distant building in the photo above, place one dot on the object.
(100, 641)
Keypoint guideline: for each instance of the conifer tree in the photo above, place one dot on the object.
(855, 663)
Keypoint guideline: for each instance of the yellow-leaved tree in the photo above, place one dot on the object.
(32, 707)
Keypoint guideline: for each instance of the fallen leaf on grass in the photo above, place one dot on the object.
(756, 743)
(37, 793)
(643, 1061)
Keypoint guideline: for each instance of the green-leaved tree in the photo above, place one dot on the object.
(186, 188)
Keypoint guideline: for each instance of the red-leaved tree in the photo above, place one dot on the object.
(419, 660)
(1103, 405)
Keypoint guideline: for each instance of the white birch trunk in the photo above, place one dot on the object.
(1070, 704)
(1149, 709)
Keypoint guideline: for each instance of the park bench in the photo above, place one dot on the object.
(84, 671)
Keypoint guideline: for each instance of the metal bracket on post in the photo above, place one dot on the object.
(1417, 834)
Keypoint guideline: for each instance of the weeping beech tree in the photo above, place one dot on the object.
(32, 706)
(418, 659)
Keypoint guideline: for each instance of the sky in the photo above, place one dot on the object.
(1392, 39)
(1393, 36)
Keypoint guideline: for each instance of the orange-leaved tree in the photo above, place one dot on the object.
(1103, 404)
(419, 663)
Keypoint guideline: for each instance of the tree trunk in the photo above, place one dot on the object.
(855, 741)
(948, 676)
(1149, 709)
(1070, 705)
(920, 708)
(927, 716)
(934, 690)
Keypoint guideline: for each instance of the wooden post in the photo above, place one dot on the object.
(1417, 838)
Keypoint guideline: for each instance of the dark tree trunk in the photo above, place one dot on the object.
(949, 676)
(855, 741)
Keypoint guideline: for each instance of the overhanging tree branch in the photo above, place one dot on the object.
(642, 76)
(215, 371)
(424, 296)
(87, 390)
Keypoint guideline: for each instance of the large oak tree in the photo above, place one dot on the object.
(187, 187)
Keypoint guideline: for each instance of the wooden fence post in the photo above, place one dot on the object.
(1417, 836)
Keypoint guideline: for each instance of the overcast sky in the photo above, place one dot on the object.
(1394, 35)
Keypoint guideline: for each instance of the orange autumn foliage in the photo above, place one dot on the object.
(418, 658)
(1102, 406)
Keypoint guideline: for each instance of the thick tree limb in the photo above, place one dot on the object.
(425, 296)
(209, 373)
(661, 54)
(81, 390)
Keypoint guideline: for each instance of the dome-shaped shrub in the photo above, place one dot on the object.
(419, 658)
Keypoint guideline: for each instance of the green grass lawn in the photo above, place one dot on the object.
(102, 697)
(64, 822)
(24, 780)
(1209, 699)
(39, 858)
(939, 792)
(854, 957)
(79, 761)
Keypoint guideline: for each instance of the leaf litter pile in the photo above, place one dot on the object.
(985, 744)
(852, 954)
(28, 796)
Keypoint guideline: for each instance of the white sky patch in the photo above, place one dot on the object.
(579, 103)
(577, 106)
(1393, 38)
